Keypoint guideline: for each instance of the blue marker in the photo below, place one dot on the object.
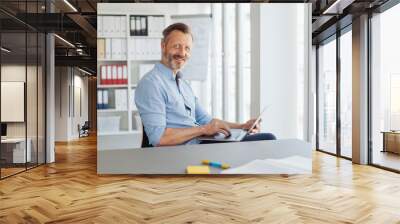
(215, 164)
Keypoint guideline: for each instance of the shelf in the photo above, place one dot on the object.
(144, 60)
(146, 37)
(120, 133)
(112, 60)
(110, 110)
(109, 37)
(112, 86)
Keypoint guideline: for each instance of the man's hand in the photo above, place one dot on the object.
(249, 123)
(216, 126)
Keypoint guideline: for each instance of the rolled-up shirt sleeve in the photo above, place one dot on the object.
(202, 117)
(150, 102)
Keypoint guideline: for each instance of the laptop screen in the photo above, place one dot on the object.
(258, 118)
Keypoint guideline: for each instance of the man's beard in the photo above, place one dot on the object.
(173, 64)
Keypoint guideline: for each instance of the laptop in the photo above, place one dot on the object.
(237, 135)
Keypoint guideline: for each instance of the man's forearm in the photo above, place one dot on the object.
(233, 125)
(176, 136)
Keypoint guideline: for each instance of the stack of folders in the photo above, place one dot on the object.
(102, 99)
(113, 74)
(156, 25)
(138, 26)
(145, 49)
(121, 99)
(101, 48)
(111, 26)
(111, 48)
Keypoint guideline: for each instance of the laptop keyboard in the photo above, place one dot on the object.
(235, 133)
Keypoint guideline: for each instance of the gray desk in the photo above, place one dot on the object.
(174, 160)
(14, 148)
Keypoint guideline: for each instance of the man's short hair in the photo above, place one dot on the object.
(176, 26)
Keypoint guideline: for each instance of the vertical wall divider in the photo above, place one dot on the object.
(0, 94)
(369, 88)
(26, 87)
(37, 90)
(338, 92)
(317, 97)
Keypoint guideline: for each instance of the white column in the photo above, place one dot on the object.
(255, 59)
(278, 73)
(50, 99)
(225, 63)
(215, 11)
(240, 55)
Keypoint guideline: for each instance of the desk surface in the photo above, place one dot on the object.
(13, 140)
(174, 160)
(391, 132)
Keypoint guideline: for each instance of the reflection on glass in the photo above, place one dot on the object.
(327, 97)
(13, 86)
(346, 94)
(22, 69)
(31, 98)
(385, 86)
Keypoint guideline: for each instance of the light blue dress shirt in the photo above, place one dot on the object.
(162, 105)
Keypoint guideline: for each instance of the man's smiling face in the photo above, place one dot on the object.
(176, 49)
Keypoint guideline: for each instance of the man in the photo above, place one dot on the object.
(169, 110)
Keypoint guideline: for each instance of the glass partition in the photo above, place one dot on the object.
(346, 94)
(13, 92)
(385, 89)
(327, 97)
(22, 77)
(31, 98)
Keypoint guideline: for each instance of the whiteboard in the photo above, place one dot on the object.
(12, 101)
(197, 66)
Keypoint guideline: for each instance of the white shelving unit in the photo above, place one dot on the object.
(131, 135)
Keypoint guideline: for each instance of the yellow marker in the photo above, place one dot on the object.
(197, 170)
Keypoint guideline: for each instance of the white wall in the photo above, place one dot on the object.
(61, 103)
(280, 68)
(195, 8)
(68, 82)
(154, 8)
(80, 83)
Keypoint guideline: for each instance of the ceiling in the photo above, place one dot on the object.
(79, 27)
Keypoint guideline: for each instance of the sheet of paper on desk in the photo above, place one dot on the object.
(288, 165)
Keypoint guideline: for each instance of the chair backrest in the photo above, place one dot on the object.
(86, 125)
(145, 140)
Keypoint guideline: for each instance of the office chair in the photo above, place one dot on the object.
(84, 130)
(145, 140)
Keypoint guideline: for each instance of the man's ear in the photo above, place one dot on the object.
(162, 45)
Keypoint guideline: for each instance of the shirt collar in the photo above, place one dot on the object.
(166, 71)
